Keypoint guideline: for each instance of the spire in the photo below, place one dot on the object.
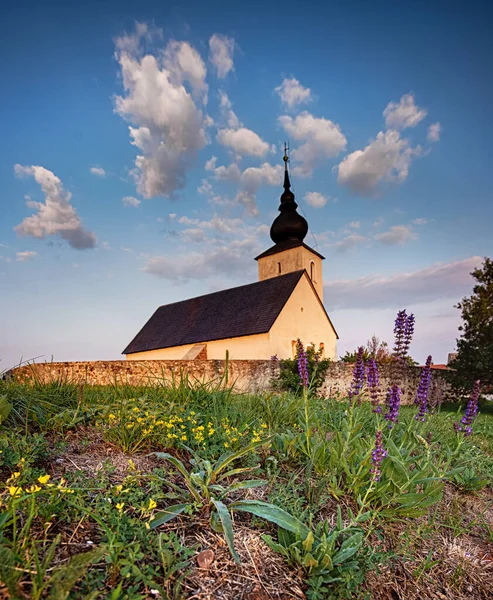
(289, 224)
(287, 183)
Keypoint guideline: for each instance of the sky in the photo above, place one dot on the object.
(141, 161)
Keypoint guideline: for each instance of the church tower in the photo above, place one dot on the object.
(289, 252)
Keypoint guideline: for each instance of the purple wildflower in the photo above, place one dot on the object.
(393, 405)
(421, 399)
(408, 334)
(377, 456)
(302, 363)
(399, 333)
(373, 384)
(471, 410)
(457, 427)
(358, 375)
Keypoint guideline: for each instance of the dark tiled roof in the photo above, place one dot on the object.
(245, 310)
(287, 245)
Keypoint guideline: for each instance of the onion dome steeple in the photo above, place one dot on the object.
(289, 225)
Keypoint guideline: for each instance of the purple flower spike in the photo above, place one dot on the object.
(377, 456)
(421, 399)
(302, 363)
(399, 332)
(471, 410)
(358, 375)
(373, 384)
(408, 334)
(393, 405)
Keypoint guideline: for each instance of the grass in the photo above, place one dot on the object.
(86, 504)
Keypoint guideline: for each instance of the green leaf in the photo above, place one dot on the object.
(5, 408)
(166, 515)
(64, 578)
(227, 524)
(308, 542)
(229, 457)
(348, 548)
(182, 469)
(272, 513)
(247, 484)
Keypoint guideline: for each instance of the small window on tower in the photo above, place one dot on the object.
(278, 268)
(312, 270)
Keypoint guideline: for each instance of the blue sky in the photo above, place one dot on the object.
(141, 161)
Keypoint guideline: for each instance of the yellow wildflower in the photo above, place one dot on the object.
(43, 479)
(152, 504)
(33, 489)
(120, 506)
(15, 491)
(119, 488)
(148, 526)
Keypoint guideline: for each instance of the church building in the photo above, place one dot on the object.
(254, 321)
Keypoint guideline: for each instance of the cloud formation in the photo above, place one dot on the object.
(54, 216)
(386, 159)
(293, 93)
(160, 103)
(25, 255)
(396, 235)
(434, 131)
(439, 281)
(130, 201)
(403, 114)
(350, 241)
(249, 181)
(316, 199)
(321, 139)
(98, 171)
(221, 50)
(243, 141)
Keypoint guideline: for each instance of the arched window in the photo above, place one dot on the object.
(312, 270)
(278, 268)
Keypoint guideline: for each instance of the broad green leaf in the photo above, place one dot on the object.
(166, 515)
(271, 513)
(247, 484)
(182, 469)
(348, 548)
(229, 457)
(227, 524)
(308, 542)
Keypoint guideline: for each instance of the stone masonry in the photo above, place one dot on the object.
(248, 376)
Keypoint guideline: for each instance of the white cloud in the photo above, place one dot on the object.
(420, 221)
(221, 54)
(292, 93)
(350, 241)
(378, 222)
(316, 199)
(403, 114)
(185, 64)
(243, 141)
(355, 224)
(56, 216)
(434, 131)
(436, 282)
(322, 139)
(396, 235)
(168, 126)
(99, 171)
(227, 111)
(205, 188)
(249, 181)
(240, 139)
(230, 259)
(130, 201)
(25, 255)
(386, 159)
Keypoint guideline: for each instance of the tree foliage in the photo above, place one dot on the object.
(475, 347)
(377, 349)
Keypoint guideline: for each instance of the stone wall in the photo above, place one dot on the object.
(246, 375)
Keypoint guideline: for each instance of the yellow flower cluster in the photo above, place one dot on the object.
(15, 490)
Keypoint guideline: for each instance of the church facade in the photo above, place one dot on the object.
(254, 321)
